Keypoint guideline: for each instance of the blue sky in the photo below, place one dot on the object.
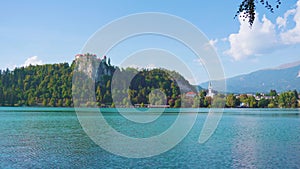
(55, 31)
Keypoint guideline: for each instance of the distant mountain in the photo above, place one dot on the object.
(288, 65)
(198, 88)
(282, 78)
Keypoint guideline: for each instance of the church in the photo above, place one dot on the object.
(210, 91)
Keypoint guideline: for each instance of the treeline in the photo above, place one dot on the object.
(43, 85)
(289, 99)
(51, 85)
(131, 87)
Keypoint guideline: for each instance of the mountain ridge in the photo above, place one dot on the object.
(282, 78)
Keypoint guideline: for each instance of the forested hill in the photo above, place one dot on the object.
(47, 85)
(51, 85)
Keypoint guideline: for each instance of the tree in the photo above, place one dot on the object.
(263, 103)
(247, 9)
(288, 100)
(207, 101)
(171, 102)
(231, 101)
(218, 102)
(244, 98)
(60, 103)
(252, 102)
(202, 93)
(68, 102)
(177, 103)
(196, 102)
(202, 100)
(273, 93)
(273, 103)
(52, 102)
(108, 62)
(44, 103)
(1, 97)
(296, 94)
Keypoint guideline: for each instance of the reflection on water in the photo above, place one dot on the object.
(266, 142)
(245, 143)
(245, 138)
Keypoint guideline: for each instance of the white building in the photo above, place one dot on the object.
(210, 91)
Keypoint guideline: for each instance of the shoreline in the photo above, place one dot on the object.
(154, 110)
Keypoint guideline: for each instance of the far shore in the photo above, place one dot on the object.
(133, 110)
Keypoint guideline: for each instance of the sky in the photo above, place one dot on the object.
(41, 32)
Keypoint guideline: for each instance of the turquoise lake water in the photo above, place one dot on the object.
(244, 138)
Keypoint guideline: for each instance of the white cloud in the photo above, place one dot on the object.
(9, 66)
(135, 66)
(252, 41)
(32, 61)
(200, 61)
(213, 42)
(292, 36)
(264, 36)
(151, 66)
(224, 39)
(282, 21)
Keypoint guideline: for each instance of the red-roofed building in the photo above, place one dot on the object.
(78, 56)
(190, 94)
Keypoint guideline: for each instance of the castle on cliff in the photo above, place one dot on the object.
(92, 66)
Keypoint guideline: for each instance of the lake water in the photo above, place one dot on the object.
(244, 138)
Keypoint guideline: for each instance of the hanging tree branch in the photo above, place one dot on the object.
(247, 9)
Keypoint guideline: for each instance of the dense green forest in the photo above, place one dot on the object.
(51, 85)
(43, 85)
(134, 87)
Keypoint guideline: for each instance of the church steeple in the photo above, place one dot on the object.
(210, 90)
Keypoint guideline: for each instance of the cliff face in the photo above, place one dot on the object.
(95, 68)
(100, 70)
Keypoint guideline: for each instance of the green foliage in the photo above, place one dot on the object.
(247, 9)
(177, 103)
(273, 93)
(43, 85)
(271, 100)
(232, 101)
(218, 101)
(264, 103)
(288, 99)
(146, 83)
(51, 85)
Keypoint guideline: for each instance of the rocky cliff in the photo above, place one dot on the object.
(95, 68)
